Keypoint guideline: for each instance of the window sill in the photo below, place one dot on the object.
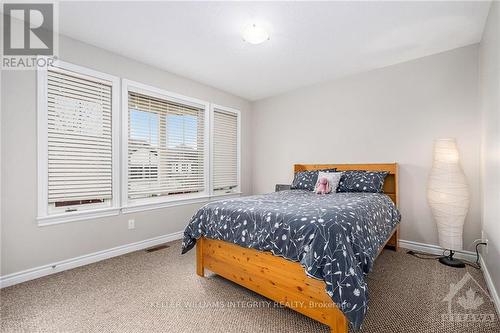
(76, 216)
(131, 208)
(148, 205)
(221, 195)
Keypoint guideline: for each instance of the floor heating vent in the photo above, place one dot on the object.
(157, 248)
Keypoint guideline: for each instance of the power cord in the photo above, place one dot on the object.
(423, 255)
(477, 253)
(427, 256)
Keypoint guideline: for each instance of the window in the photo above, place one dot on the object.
(77, 139)
(225, 150)
(166, 148)
(174, 149)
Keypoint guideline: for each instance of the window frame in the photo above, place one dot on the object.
(44, 215)
(213, 108)
(133, 205)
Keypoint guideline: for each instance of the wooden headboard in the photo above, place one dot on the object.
(390, 184)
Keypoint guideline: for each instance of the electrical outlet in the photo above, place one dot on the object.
(131, 224)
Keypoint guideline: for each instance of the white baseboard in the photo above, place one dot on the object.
(489, 283)
(434, 249)
(34, 273)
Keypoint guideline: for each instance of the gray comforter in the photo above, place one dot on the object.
(335, 237)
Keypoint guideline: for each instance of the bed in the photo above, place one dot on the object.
(306, 251)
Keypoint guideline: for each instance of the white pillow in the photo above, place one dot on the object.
(333, 180)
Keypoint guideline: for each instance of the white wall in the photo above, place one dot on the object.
(490, 104)
(391, 114)
(24, 244)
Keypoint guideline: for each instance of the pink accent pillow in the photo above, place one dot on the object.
(333, 179)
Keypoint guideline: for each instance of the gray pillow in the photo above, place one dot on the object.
(362, 181)
(306, 180)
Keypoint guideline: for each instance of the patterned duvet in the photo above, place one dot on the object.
(335, 237)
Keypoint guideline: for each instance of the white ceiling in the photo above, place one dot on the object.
(310, 42)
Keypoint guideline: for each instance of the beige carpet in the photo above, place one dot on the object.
(159, 292)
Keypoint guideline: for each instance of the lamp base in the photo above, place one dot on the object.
(452, 262)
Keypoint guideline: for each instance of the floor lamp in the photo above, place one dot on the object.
(448, 197)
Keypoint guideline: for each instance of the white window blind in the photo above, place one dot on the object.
(165, 147)
(225, 151)
(79, 140)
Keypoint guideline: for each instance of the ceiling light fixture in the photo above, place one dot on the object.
(255, 35)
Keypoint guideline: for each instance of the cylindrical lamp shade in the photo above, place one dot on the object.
(448, 194)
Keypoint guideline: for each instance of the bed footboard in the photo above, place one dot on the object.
(276, 278)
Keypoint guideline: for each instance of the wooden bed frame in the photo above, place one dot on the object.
(282, 280)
